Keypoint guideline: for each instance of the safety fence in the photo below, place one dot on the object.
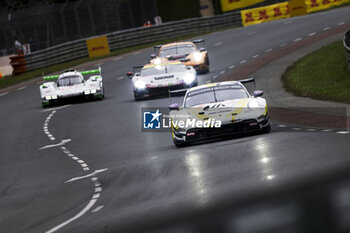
(347, 47)
(131, 37)
(286, 10)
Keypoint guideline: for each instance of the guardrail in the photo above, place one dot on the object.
(131, 37)
(347, 47)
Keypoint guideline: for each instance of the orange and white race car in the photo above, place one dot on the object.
(186, 52)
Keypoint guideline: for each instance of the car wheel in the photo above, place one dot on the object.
(267, 129)
(180, 143)
(137, 96)
(207, 69)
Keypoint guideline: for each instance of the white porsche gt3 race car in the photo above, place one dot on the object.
(218, 109)
(156, 79)
(71, 84)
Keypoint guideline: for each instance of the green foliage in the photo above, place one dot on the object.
(171, 10)
(322, 74)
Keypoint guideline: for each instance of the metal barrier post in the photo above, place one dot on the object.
(347, 47)
(77, 17)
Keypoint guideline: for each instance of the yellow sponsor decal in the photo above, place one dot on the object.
(265, 14)
(297, 7)
(240, 106)
(229, 5)
(98, 46)
(318, 5)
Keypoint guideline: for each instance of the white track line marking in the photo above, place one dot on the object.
(81, 213)
(21, 88)
(284, 44)
(118, 58)
(343, 132)
(282, 126)
(311, 130)
(296, 128)
(222, 72)
(244, 61)
(121, 77)
(136, 53)
(46, 126)
(51, 109)
(326, 28)
(207, 81)
(327, 130)
(312, 34)
(5, 93)
(218, 44)
(250, 33)
(268, 50)
(64, 141)
(215, 77)
(288, 22)
(86, 176)
(341, 23)
(98, 208)
(256, 55)
(298, 39)
(231, 67)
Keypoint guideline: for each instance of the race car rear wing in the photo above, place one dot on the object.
(248, 80)
(96, 71)
(199, 41)
(137, 68)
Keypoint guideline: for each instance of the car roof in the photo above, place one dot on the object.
(213, 85)
(70, 73)
(178, 43)
(163, 64)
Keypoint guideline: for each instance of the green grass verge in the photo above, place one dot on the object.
(11, 79)
(322, 74)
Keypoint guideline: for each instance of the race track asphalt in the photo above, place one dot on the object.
(140, 177)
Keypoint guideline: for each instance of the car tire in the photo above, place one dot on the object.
(207, 69)
(179, 143)
(137, 96)
(267, 129)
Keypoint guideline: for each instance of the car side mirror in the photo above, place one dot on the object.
(153, 56)
(174, 107)
(258, 93)
(202, 49)
(129, 74)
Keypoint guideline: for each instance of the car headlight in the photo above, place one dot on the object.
(87, 92)
(197, 57)
(48, 97)
(189, 78)
(93, 91)
(139, 84)
(54, 97)
(253, 105)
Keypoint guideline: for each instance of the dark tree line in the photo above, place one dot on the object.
(6, 5)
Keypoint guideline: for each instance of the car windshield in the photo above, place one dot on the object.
(70, 80)
(215, 94)
(163, 69)
(177, 50)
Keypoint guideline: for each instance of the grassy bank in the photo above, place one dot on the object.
(322, 74)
